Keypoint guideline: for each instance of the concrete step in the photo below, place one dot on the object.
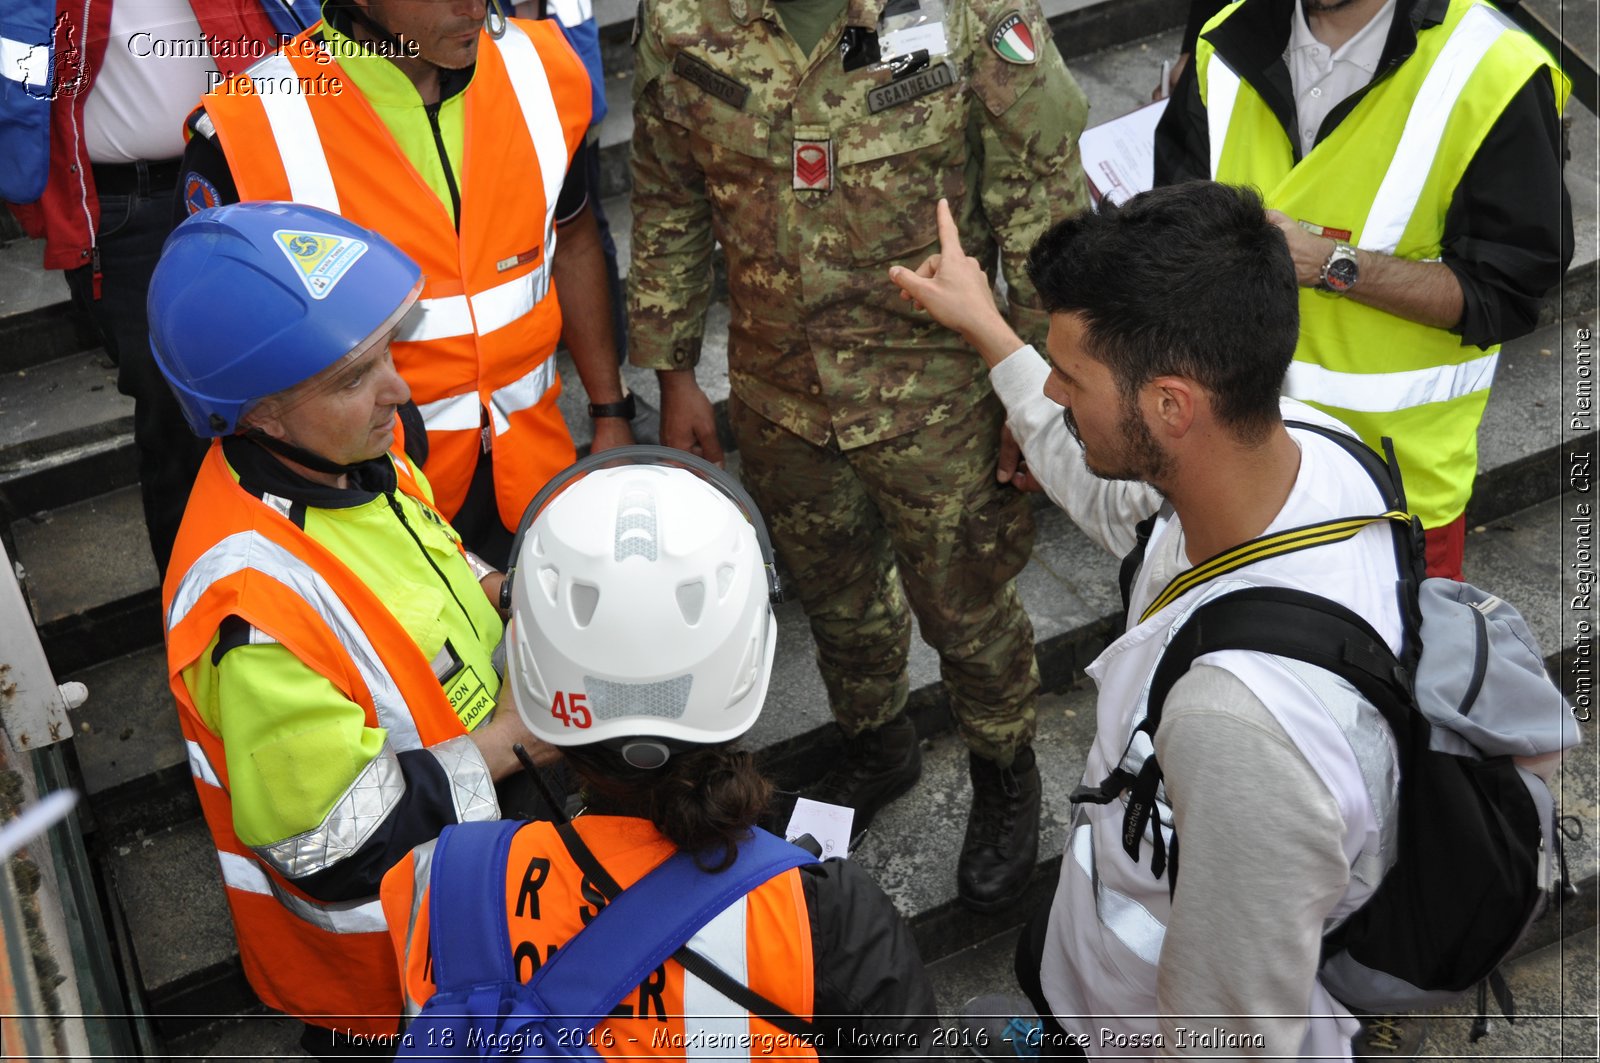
(1553, 985)
(37, 321)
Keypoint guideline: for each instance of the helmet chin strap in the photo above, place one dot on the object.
(300, 455)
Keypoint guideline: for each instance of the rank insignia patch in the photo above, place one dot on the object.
(813, 165)
(1013, 41)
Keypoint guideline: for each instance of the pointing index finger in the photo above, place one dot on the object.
(949, 237)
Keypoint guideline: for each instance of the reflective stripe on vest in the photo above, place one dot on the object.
(1389, 392)
(1221, 96)
(242, 873)
(310, 180)
(460, 412)
(1127, 919)
(1419, 145)
(713, 1025)
(254, 551)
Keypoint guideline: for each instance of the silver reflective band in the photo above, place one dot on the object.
(365, 917)
(713, 1026)
(295, 133)
(521, 394)
(495, 308)
(1222, 90)
(360, 810)
(437, 319)
(1127, 919)
(200, 764)
(457, 413)
(531, 86)
(1414, 156)
(26, 64)
(1388, 392)
(277, 503)
(471, 786)
(252, 551)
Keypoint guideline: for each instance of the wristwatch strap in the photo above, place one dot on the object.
(624, 409)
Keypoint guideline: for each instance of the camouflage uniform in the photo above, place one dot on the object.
(868, 433)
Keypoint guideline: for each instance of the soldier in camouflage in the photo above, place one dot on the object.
(808, 137)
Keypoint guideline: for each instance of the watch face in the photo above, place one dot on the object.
(1341, 274)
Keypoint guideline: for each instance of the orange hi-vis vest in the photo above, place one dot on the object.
(763, 941)
(480, 354)
(240, 555)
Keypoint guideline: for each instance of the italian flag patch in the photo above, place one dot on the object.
(1012, 40)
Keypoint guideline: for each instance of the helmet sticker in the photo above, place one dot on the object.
(321, 259)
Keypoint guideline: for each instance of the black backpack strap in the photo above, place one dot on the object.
(1289, 623)
(1276, 620)
(1133, 559)
(1410, 553)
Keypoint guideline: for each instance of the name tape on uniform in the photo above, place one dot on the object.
(718, 84)
(903, 90)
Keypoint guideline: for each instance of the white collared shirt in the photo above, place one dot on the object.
(1323, 78)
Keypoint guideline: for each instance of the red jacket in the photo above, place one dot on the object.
(67, 215)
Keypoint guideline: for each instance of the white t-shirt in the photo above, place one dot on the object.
(1323, 78)
(155, 70)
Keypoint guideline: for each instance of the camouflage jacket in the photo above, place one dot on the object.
(730, 119)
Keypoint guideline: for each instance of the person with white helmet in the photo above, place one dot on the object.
(330, 643)
(641, 644)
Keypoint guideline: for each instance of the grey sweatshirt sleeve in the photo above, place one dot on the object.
(1262, 866)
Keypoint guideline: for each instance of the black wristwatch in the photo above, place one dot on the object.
(1340, 272)
(624, 409)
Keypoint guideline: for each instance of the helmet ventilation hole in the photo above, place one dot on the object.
(724, 581)
(549, 582)
(692, 601)
(585, 600)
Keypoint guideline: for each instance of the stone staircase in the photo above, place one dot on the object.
(69, 506)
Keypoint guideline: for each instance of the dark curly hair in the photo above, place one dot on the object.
(705, 799)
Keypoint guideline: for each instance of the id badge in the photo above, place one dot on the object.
(911, 26)
(462, 686)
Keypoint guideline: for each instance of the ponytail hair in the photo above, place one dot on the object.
(705, 799)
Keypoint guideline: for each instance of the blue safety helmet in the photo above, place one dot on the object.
(253, 298)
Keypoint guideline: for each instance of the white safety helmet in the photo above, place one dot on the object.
(641, 612)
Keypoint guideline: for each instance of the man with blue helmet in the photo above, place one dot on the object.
(330, 643)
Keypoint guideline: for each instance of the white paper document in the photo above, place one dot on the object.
(1119, 156)
(829, 824)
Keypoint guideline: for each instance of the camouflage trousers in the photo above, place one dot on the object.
(920, 510)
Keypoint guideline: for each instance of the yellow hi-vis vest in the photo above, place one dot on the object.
(1386, 175)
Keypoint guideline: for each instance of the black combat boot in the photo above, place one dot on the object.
(1002, 842)
(878, 766)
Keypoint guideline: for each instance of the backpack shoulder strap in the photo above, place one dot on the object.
(1409, 552)
(1288, 623)
(470, 942)
(647, 922)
